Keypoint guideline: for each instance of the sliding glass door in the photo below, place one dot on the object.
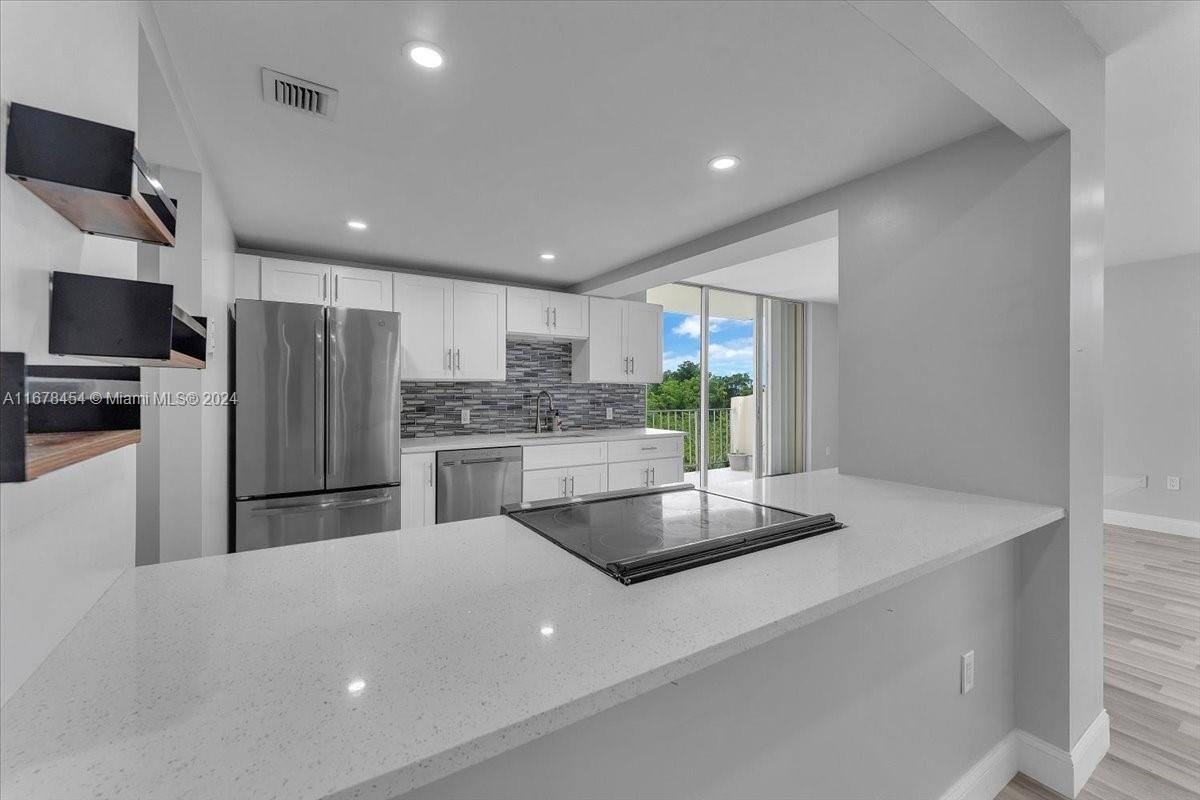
(732, 382)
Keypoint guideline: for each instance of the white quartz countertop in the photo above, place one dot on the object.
(363, 667)
(431, 444)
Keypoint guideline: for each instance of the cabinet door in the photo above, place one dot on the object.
(605, 358)
(426, 307)
(568, 315)
(295, 281)
(417, 495)
(628, 475)
(528, 311)
(480, 324)
(643, 341)
(544, 484)
(665, 470)
(362, 288)
(587, 480)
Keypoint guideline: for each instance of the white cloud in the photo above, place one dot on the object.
(733, 350)
(691, 326)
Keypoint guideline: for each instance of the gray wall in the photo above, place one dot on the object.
(509, 406)
(1152, 383)
(822, 384)
(861, 704)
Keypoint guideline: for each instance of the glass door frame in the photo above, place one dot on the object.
(759, 362)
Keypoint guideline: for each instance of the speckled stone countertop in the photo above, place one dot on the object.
(363, 667)
(431, 444)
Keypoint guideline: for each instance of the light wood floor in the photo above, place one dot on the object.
(1151, 672)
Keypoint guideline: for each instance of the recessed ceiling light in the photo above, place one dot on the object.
(723, 163)
(356, 686)
(547, 256)
(425, 55)
(357, 225)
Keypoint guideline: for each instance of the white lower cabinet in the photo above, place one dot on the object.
(644, 474)
(545, 484)
(418, 496)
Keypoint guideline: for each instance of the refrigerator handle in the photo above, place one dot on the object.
(318, 403)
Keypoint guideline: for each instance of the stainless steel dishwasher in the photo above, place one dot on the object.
(477, 483)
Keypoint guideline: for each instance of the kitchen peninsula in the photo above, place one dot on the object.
(370, 666)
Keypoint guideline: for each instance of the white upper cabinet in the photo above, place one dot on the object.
(480, 322)
(295, 281)
(324, 285)
(641, 326)
(534, 312)
(624, 344)
(450, 330)
(426, 307)
(528, 311)
(354, 287)
(569, 315)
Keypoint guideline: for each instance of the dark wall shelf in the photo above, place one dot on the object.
(135, 323)
(90, 173)
(55, 416)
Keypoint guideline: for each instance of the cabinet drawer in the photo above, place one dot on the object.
(642, 449)
(546, 456)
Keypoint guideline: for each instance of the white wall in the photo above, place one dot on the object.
(1152, 383)
(66, 536)
(822, 382)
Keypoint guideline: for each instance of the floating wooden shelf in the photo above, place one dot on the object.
(46, 452)
(53, 416)
(133, 323)
(90, 173)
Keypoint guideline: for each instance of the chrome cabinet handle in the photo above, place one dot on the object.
(325, 286)
(653, 476)
(336, 283)
(564, 486)
(572, 485)
(429, 474)
(632, 365)
(555, 310)
(547, 316)
(458, 358)
(449, 359)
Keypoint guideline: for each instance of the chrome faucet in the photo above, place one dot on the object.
(539, 407)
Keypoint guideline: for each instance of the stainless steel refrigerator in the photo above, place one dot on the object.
(317, 423)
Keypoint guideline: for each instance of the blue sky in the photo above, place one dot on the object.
(731, 342)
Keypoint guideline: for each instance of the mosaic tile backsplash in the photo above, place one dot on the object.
(435, 409)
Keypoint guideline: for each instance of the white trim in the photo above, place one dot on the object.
(990, 774)
(1150, 522)
(1020, 751)
(1064, 772)
(1090, 750)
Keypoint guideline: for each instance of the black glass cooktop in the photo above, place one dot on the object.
(642, 534)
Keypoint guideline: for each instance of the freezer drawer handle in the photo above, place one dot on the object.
(338, 504)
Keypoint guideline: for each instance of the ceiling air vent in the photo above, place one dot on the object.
(298, 94)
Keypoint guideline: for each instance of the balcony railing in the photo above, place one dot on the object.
(688, 421)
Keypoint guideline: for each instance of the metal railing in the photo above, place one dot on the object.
(688, 421)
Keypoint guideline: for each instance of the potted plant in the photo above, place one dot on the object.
(739, 462)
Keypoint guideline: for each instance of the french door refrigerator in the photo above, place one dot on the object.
(316, 424)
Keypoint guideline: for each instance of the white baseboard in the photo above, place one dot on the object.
(990, 774)
(1150, 522)
(1019, 751)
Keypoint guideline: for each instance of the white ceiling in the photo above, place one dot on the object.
(578, 127)
(802, 273)
(1112, 24)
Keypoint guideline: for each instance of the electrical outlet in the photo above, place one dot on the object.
(1143, 481)
(1173, 483)
(466, 416)
(828, 450)
(608, 413)
(211, 336)
(967, 671)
